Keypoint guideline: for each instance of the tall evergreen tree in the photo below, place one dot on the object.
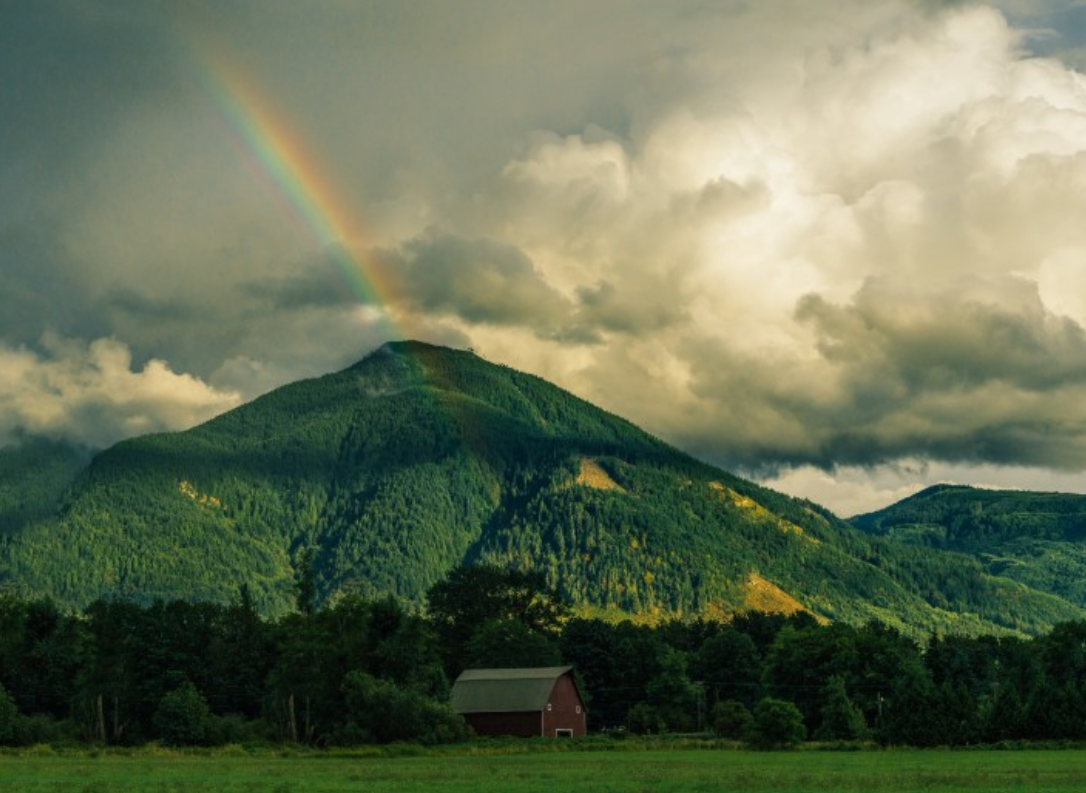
(9, 719)
(470, 597)
(841, 719)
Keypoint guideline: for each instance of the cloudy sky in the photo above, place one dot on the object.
(838, 247)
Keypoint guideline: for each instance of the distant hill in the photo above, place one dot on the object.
(1038, 539)
(420, 458)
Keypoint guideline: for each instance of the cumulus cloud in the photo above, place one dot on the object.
(89, 393)
(479, 280)
(872, 267)
(981, 372)
(780, 234)
(856, 490)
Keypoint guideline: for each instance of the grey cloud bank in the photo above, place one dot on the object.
(838, 245)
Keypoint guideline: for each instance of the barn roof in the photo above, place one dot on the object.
(505, 690)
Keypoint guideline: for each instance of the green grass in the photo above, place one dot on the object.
(151, 771)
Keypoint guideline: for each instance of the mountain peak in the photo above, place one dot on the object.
(406, 346)
(421, 458)
(412, 350)
(415, 347)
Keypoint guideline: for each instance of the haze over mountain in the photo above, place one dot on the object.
(421, 458)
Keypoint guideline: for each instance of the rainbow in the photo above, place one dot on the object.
(280, 155)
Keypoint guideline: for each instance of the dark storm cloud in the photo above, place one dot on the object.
(954, 340)
(632, 307)
(42, 287)
(143, 308)
(68, 70)
(977, 373)
(493, 283)
(480, 280)
(311, 287)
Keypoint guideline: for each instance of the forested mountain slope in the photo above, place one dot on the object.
(33, 478)
(1038, 539)
(419, 458)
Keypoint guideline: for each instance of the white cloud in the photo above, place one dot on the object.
(90, 393)
(923, 175)
(851, 490)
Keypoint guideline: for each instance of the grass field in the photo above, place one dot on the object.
(598, 772)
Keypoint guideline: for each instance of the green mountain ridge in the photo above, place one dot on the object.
(1035, 538)
(419, 459)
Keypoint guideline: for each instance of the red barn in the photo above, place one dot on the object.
(521, 702)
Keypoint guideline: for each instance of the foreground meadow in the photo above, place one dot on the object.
(571, 771)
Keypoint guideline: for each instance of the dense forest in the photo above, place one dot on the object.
(1037, 539)
(420, 459)
(34, 475)
(370, 671)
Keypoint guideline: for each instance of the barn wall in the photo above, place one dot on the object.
(564, 709)
(522, 725)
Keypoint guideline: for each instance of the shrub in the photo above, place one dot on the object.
(731, 719)
(377, 711)
(644, 719)
(841, 719)
(42, 729)
(183, 717)
(10, 720)
(777, 724)
(235, 729)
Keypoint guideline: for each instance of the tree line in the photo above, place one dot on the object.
(360, 670)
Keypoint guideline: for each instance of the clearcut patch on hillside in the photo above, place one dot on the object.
(764, 595)
(757, 510)
(186, 488)
(592, 475)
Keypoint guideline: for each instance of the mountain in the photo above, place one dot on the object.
(420, 458)
(33, 477)
(1037, 539)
